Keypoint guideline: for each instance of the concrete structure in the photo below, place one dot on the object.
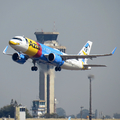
(50, 39)
(46, 72)
(38, 108)
(46, 36)
(20, 113)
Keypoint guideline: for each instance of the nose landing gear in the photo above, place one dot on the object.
(34, 68)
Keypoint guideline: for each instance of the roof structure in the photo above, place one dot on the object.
(45, 36)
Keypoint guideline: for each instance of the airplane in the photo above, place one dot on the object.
(30, 49)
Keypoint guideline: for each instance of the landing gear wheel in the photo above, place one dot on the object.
(34, 68)
(57, 68)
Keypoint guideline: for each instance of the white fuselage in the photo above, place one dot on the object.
(36, 51)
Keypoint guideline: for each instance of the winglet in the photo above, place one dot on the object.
(4, 51)
(114, 50)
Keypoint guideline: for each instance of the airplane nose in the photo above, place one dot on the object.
(13, 43)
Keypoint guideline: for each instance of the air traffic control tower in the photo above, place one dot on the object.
(46, 72)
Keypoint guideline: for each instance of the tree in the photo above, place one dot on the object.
(116, 115)
(85, 113)
(10, 110)
(7, 110)
(28, 115)
(107, 117)
(53, 115)
(11, 102)
(61, 112)
(15, 103)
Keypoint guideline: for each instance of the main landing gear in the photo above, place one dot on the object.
(34, 68)
(57, 68)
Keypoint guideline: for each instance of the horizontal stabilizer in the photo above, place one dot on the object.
(86, 66)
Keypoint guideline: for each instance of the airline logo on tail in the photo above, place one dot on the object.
(85, 51)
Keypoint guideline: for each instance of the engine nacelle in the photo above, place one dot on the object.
(54, 58)
(19, 58)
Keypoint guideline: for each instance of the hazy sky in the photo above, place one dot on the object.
(77, 21)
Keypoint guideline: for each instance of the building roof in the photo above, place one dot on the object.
(45, 36)
(36, 33)
(39, 100)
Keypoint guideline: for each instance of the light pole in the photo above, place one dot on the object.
(81, 111)
(90, 77)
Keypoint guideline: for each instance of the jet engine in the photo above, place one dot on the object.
(19, 58)
(54, 58)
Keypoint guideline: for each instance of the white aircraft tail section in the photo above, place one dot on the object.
(85, 51)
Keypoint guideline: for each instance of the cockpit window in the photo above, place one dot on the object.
(17, 39)
(26, 40)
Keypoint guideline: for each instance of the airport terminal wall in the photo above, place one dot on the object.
(57, 119)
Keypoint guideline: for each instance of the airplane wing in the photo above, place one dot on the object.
(65, 57)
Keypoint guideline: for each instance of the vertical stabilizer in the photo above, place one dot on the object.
(85, 51)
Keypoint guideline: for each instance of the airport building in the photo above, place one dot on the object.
(20, 113)
(38, 108)
(46, 76)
